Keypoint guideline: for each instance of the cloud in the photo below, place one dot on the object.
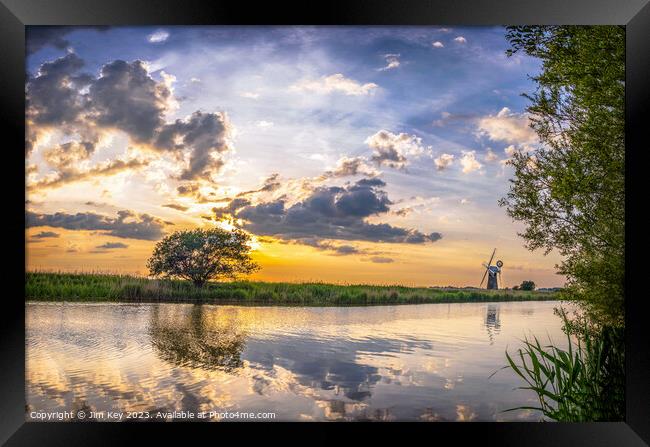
(206, 135)
(510, 150)
(333, 212)
(334, 83)
(127, 224)
(65, 176)
(337, 250)
(403, 212)
(443, 161)
(229, 210)
(349, 166)
(392, 61)
(111, 246)
(41, 36)
(392, 149)
(123, 97)
(490, 155)
(250, 95)
(270, 184)
(175, 206)
(96, 204)
(158, 36)
(65, 155)
(52, 97)
(460, 39)
(437, 44)
(126, 97)
(264, 124)
(507, 126)
(469, 162)
(45, 234)
(381, 260)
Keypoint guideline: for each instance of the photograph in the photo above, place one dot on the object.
(312, 223)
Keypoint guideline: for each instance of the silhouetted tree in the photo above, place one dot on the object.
(200, 255)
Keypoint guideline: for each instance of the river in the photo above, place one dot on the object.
(425, 362)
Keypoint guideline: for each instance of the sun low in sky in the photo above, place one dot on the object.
(351, 154)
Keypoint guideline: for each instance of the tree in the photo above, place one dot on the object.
(527, 285)
(200, 255)
(570, 192)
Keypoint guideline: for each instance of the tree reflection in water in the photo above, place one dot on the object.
(193, 340)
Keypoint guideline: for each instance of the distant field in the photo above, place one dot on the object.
(124, 288)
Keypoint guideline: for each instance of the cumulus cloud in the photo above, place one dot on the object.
(349, 166)
(334, 83)
(437, 44)
(158, 36)
(381, 260)
(443, 161)
(123, 97)
(392, 61)
(333, 212)
(508, 127)
(205, 134)
(469, 162)
(52, 97)
(126, 97)
(460, 39)
(127, 224)
(392, 149)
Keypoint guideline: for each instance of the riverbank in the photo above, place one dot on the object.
(125, 288)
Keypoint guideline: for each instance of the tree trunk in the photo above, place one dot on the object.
(199, 283)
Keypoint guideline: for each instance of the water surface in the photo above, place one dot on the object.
(425, 362)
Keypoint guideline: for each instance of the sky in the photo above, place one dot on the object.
(351, 154)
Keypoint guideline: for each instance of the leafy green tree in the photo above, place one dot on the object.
(570, 192)
(200, 255)
(527, 285)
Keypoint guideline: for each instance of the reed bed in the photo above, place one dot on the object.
(59, 286)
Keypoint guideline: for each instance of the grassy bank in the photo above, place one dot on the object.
(123, 288)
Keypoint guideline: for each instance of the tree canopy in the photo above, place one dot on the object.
(202, 254)
(570, 192)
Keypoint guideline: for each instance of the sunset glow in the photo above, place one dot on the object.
(352, 155)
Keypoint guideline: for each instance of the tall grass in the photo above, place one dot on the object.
(585, 382)
(40, 286)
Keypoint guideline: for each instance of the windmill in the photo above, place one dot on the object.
(491, 271)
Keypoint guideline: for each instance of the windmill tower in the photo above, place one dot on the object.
(493, 272)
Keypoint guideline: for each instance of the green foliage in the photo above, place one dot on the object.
(583, 383)
(527, 285)
(40, 286)
(200, 255)
(570, 192)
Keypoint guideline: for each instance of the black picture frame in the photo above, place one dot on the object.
(16, 14)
